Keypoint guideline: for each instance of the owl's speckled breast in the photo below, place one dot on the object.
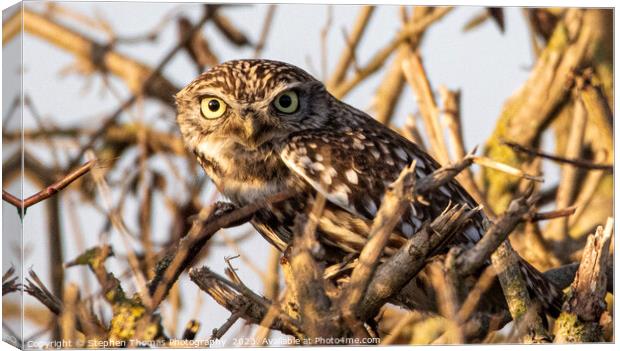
(239, 174)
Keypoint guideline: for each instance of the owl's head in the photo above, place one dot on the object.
(250, 103)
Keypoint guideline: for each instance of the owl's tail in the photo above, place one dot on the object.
(550, 296)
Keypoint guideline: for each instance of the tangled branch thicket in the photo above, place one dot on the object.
(563, 229)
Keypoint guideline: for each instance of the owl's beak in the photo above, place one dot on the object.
(256, 131)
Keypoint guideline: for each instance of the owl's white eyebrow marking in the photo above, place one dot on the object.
(351, 176)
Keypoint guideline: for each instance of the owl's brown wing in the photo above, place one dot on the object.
(352, 169)
(349, 169)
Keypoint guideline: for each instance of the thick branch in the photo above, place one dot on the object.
(395, 202)
(308, 286)
(506, 263)
(579, 321)
(524, 117)
(251, 308)
(391, 276)
(563, 276)
(472, 259)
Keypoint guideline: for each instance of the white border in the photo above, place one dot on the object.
(523, 3)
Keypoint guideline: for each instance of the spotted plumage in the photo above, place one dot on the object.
(260, 127)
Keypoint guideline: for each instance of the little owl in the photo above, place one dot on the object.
(261, 127)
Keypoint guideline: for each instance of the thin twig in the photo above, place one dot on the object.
(541, 216)
(50, 190)
(264, 33)
(218, 333)
(415, 75)
(580, 163)
(377, 61)
(9, 282)
(502, 167)
(352, 41)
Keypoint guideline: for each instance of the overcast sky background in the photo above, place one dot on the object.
(485, 64)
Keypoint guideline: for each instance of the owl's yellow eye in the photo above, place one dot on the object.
(212, 107)
(287, 102)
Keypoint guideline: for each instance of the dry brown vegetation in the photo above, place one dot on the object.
(568, 95)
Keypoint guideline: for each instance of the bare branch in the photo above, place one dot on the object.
(9, 282)
(347, 56)
(376, 62)
(575, 162)
(170, 267)
(394, 203)
(50, 190)
(230, 31)
(523, 311)
(150, 79)
(37, 289)
(415, 74)
(230, 297)
(391, 276)
(264, 33)
(473, 258)
(586, 303)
